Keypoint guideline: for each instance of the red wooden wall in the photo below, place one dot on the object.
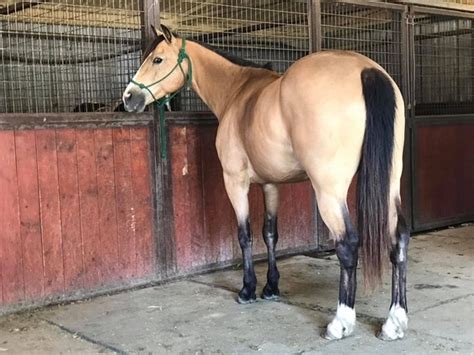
(444, 176)
(204, 221)
(75, 211)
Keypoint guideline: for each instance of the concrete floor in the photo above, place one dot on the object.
(200, 315)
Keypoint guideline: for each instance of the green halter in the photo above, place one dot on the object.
(160, 103)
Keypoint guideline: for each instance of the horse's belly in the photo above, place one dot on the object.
(273, 165)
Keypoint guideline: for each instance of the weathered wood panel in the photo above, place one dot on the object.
(444, 174)
(50, 211)
(124, 197)
(106, 189)
(11, 246)
(30, 220)
(204, 222)
(70, 209)
(145, 242)
(88, 197)
(75, 211)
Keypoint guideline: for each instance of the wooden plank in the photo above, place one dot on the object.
(11, 250)
(187, 197)
(195, 204)
(141, 186)
(444, 175)
(89, 207)
(10, 121)
(296, 217)
(220, 221)
(126, 223)
(104, 151)
(30, 220)
(70, 209)
(50, 212)
(180, 193)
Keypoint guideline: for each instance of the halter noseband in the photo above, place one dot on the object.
(188, 78)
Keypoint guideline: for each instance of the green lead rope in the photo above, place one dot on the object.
(161, 103)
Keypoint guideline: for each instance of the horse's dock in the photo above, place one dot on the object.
(199, 315)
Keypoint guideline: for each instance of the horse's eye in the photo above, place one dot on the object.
(157, 60)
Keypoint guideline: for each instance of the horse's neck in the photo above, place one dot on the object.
(216, 80)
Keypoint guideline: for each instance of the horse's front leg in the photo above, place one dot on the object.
(237, 187)
(397, 321)
(270, 236)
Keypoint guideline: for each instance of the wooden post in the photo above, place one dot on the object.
(163, 207)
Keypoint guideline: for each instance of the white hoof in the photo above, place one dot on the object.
(396, 324)
(343, 323)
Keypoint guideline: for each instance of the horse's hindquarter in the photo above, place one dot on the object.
(323, 105)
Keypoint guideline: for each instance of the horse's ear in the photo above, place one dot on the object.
(156, 32)
(167, 34)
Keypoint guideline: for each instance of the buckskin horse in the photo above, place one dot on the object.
(330, 115)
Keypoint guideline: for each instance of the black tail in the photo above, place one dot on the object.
(374, 173)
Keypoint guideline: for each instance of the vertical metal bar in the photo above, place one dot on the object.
(321, 233)
(411, 89)
(405, 87)
(315, 30)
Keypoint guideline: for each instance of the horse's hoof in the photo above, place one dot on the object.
(246, 297)
(246, 301)
(396, 324)
(342, 325)
(270, 294)
(336, 331)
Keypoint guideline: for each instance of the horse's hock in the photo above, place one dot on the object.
(89, 202)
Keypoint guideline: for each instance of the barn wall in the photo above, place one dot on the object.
(204, 221)
(75, 211)
(444, 173)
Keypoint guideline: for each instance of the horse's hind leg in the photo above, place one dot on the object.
(270, 236)
(237, 187)
(334, 212)
(397, 321)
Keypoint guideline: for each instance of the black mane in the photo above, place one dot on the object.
(151, 47)
(235, 59)
(229, 56)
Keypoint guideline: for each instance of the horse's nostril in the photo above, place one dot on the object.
(127, 95)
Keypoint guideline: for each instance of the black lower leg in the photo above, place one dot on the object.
(347, 253)
(247, 293)
(398, 257)
(270, 236)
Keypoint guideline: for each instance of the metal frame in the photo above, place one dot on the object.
(415, 121)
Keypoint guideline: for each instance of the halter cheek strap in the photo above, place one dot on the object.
(188, 79)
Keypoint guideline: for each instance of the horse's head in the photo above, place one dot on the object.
(164, 71)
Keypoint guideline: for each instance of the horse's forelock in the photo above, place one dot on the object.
(156, 41)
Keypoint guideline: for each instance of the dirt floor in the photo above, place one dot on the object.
(200, 315)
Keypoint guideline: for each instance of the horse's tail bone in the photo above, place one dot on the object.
(373, 188)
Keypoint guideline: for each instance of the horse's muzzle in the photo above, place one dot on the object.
(134, 100)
